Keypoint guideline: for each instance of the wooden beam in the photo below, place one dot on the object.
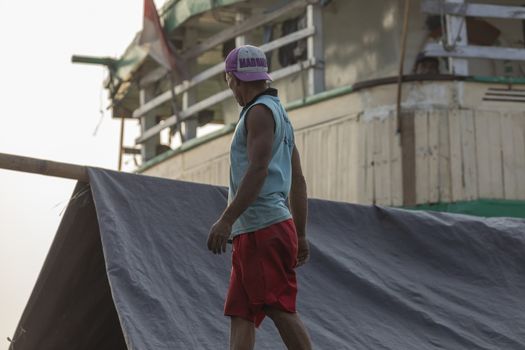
(217, 69)
(471, 51)
(408, 158)
(241, 28)
(473, 10)
(43, 167)
(214, 99)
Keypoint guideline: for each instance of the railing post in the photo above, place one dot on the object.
(457, 36)
(189, 126)
(315, 49)
(241, 39)
(149, 147)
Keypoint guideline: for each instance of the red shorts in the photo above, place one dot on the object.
(263, 272)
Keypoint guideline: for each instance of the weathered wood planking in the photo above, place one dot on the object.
(382, 192)
(396, 176)
(421, 149)
(362, 162)
(519, 152)
(508, 160)
(489, 165)
(370, 166)
(468, 155)
(434, 120)
(444, 174)
(456, 173)
(352, 179)
(513, 154)
(385, 191)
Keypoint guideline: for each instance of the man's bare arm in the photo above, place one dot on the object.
(299, 207)
(260, 125)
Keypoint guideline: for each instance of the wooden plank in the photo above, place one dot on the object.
(519, 152)
(330, 150)
(456, 166)
(370, 165)
(43, 167)
(310, 165)
(321, 173)
(241, 28)
(434, 121)
(219, 68)
(444, 174)
(353, 161)
(510, 182)
(362, 161)
(473, 10)
(472, 51)
(496, 165)
(421, 149)
(396, 175)
(377, 160)
(468, 154)
(382, 161)
(488, 143)
(408, 158)
(341, 155)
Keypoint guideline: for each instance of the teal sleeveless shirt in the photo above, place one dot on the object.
(270, 207)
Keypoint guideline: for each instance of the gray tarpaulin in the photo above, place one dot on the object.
(378, 278)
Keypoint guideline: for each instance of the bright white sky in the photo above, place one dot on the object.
(49, 108)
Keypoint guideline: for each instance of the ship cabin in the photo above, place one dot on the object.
(397, 103)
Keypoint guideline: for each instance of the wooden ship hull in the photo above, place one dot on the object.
(444, 126)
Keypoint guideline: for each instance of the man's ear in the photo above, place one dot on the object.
(238, 82)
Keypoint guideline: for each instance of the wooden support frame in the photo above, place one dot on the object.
(214, 99)
(217, 69)
(473, 10)
(471, 51)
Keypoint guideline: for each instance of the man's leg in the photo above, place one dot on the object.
(291, 329)
(242, 334)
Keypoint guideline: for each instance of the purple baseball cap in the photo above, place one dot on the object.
(247, 63)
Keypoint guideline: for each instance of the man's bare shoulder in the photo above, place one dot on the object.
(260, 117)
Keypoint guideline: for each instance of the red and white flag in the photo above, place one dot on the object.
(154, 38)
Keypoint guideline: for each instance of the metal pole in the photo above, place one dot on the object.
(43, 167)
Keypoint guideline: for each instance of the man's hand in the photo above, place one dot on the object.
(303, 251)
(218, 237)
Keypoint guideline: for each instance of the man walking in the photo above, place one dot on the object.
(269, 240)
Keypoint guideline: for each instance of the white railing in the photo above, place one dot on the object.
(457, 48)
(312, 64)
